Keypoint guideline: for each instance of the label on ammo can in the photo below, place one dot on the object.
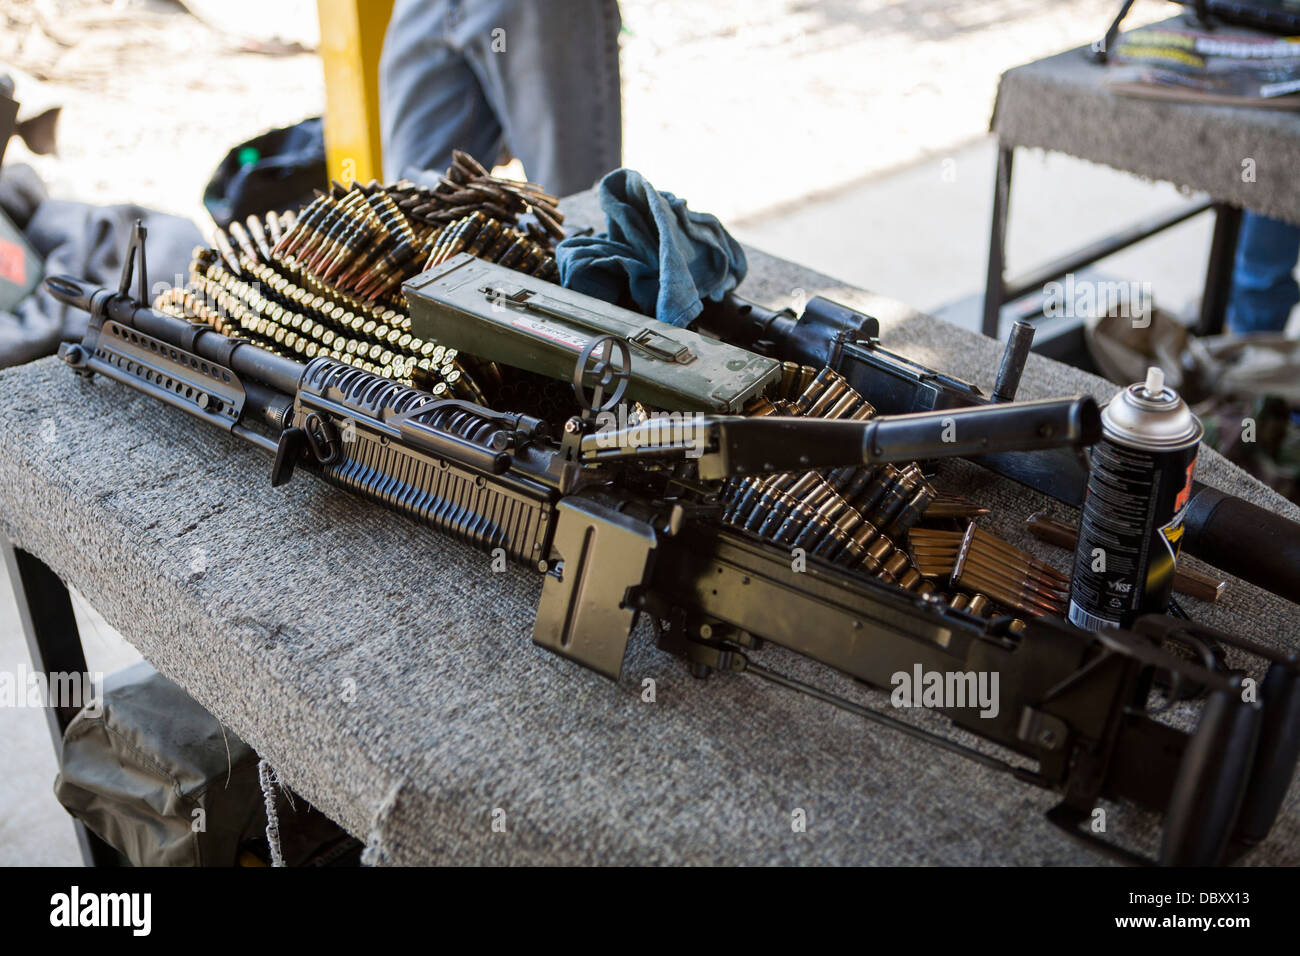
(1130, 533)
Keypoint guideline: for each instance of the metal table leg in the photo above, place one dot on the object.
(995, 285)
(46, 617)
(1219, 269)
(999, 290)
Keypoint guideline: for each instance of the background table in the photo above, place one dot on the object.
(1061, 103)
(390, 677)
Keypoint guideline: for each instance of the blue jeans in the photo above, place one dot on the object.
(1264, 289)
(540, 78)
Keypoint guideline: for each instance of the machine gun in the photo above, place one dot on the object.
(621, 536)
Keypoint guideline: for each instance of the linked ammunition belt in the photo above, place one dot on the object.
(366, 240)
(467, 187)
(302, 317)
(327, 282)
(296, 317)
(855, 517)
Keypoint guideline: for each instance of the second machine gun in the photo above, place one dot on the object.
(621, 535)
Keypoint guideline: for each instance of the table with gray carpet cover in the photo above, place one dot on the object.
(1242, 158)
(1061, 103)
(389, 675)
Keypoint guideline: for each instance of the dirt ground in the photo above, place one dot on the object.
(741, 106)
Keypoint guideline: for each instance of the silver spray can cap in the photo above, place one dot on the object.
(1150, 414)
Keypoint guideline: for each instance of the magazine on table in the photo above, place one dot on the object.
(1232, 68)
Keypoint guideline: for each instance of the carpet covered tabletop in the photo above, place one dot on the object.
(389, 675)
(1240, 155)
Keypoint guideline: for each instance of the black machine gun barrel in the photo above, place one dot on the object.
(274, 371)
(425, 456)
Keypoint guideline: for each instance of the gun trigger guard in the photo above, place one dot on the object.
(705, 655)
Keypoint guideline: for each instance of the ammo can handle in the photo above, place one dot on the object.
(1246, 540)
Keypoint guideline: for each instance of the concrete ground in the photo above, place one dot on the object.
(740, 106)
(921, 234)
(849, 136)
(34, 829)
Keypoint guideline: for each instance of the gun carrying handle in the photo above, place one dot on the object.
(982, 429)
(1211, 781)
(1244, 539)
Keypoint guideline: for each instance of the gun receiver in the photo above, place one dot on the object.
(1074, 710)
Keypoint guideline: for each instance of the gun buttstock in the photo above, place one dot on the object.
(1211, 782)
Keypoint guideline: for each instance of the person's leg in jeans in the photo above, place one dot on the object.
(430, 101)
(1264, 288)
(550, 71)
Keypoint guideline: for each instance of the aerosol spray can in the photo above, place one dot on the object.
(1132, 524)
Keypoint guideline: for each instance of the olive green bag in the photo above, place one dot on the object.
(157, 776)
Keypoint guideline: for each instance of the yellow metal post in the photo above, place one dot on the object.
(351, 38)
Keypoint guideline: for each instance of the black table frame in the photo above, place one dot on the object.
(999, 290)
(50, 626)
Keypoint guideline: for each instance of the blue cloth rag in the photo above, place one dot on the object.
(666, 257)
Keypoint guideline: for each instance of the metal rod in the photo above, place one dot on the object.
(1219, 270)
(1014, 357)
(1143, 229)
(917, 733)
(995, 286)
(1101, 53)
(49, 624)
